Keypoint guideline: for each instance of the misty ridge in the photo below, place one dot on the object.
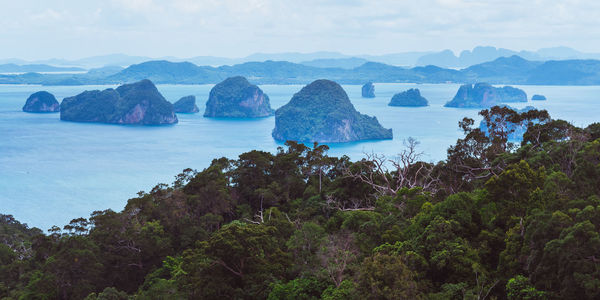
(548, 66)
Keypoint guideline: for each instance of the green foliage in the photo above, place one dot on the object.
(304, 244)
(345, 291)
(496, 222)
(300, 288)
(519, 288)
(108, 293)
(513, 187)
(385, 276)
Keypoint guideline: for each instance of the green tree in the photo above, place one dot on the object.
(304, 288)
(385, 276)
(519, 288)
(304, 244)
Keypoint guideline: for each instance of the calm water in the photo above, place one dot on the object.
(53, 171)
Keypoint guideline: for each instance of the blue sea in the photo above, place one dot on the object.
(52, 171)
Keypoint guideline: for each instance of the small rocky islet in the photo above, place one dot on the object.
(41, 102)
(368, 90)
(186, 105)
(409, 98)
(322, 112)
(235, 97)
(137, 103)
(537, 97)
(484, 95)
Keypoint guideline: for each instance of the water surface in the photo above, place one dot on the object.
(52, 171)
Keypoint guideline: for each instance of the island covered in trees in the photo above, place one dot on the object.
(41, 102)
(135, 103)
(494, 220)
(322, 112)
(186, 104)
(410, 97)
(235, 97)
(484, 95)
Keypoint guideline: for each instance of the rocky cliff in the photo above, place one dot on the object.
(368, 90)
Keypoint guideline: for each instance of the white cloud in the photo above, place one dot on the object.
(236, 28)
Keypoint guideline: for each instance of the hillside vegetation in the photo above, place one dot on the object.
(494, 220)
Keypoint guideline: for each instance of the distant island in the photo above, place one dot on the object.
(136, 103)
(186, 104)
(538, 97)
(368, 90)
(411, 97)
(503, 70)
(482, 95)
(41, 102)
(14, 68)
(511, 94)
(322, 112)
(235, 97)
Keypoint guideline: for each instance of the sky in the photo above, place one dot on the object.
(71, 29)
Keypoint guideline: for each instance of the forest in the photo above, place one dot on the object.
(497, 219)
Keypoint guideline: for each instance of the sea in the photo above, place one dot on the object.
(53, 171)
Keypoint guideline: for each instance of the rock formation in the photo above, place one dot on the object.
(137, 103)
(483, 95)
(368, 90)
(41, 102)
(186, 104)
(322, 112)
(411, 97)
(235, 97)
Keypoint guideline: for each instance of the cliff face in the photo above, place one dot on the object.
(41, 102)
(235, 97)
(322, 112)
(137, 103)
(483, 95)
(411, 97)
(186, 104)
(368, 90)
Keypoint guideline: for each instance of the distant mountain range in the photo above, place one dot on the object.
(503, 70)
(445, 59)
(480, 54)
(41, 68)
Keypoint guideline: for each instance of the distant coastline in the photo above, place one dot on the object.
(513, 70)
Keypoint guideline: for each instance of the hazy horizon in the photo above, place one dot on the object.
(69, 29)
(455, 52)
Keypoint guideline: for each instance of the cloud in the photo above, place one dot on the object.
(237, 28)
